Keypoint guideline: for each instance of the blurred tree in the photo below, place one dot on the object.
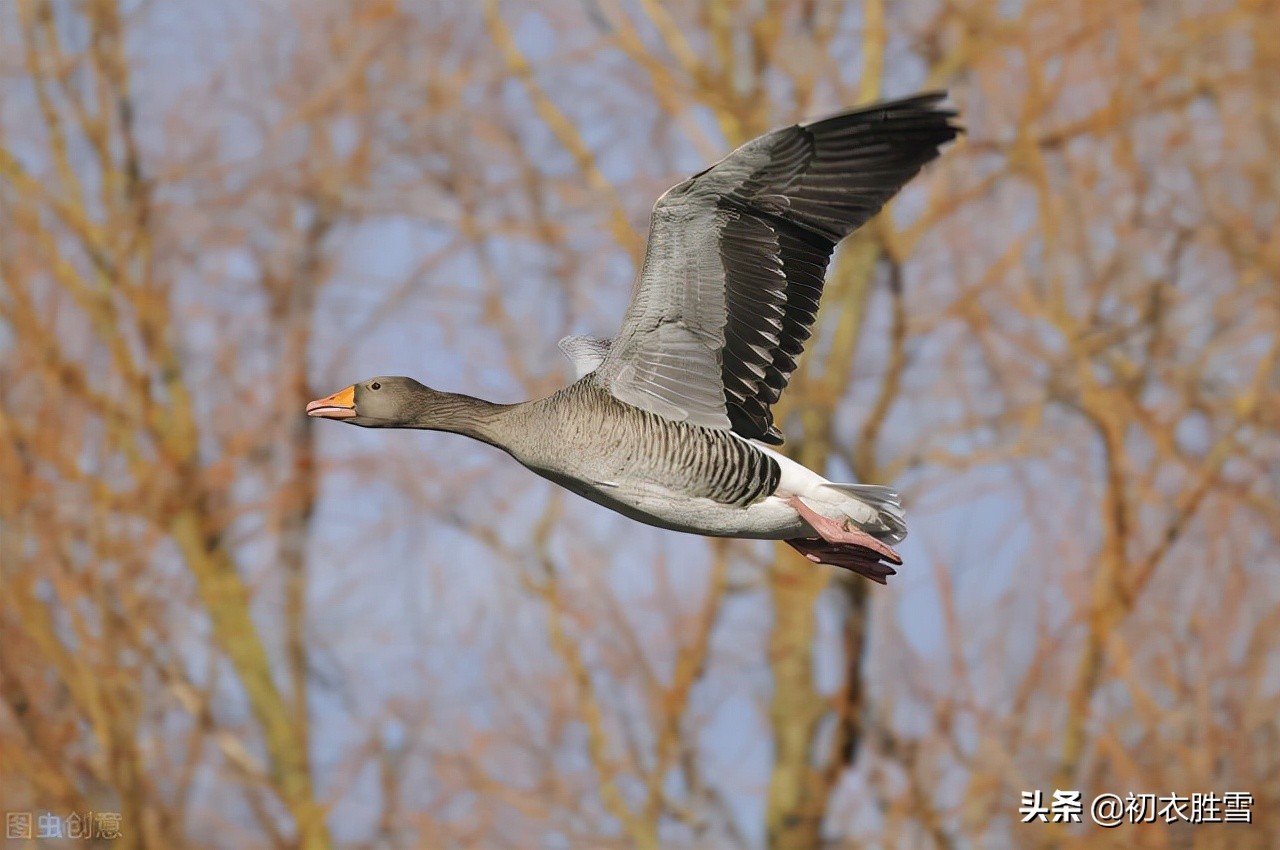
(1062, 342)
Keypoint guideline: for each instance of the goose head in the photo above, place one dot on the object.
(383, 402)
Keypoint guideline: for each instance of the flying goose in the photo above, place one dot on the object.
(668, 422)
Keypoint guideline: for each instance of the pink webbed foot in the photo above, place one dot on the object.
(841, 546)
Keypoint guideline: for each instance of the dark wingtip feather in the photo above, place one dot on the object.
(936, 126)
(923, 102)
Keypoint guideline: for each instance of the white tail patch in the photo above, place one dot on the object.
(887, 522)
(877, 510)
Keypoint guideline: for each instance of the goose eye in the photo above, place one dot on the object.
(375, 386)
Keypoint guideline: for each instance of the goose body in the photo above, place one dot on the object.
(675, 475)
(668, 422)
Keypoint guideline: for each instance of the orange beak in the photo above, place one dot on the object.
(340, 405)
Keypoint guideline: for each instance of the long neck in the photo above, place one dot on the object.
(459, 414)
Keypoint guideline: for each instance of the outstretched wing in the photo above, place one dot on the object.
(737, 257)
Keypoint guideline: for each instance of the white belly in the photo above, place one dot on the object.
(770, 518)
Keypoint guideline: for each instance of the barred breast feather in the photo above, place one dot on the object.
(611, 443)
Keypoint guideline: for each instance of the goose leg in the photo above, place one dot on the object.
(841, 546)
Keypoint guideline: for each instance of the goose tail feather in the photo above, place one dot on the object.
(884, 521)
